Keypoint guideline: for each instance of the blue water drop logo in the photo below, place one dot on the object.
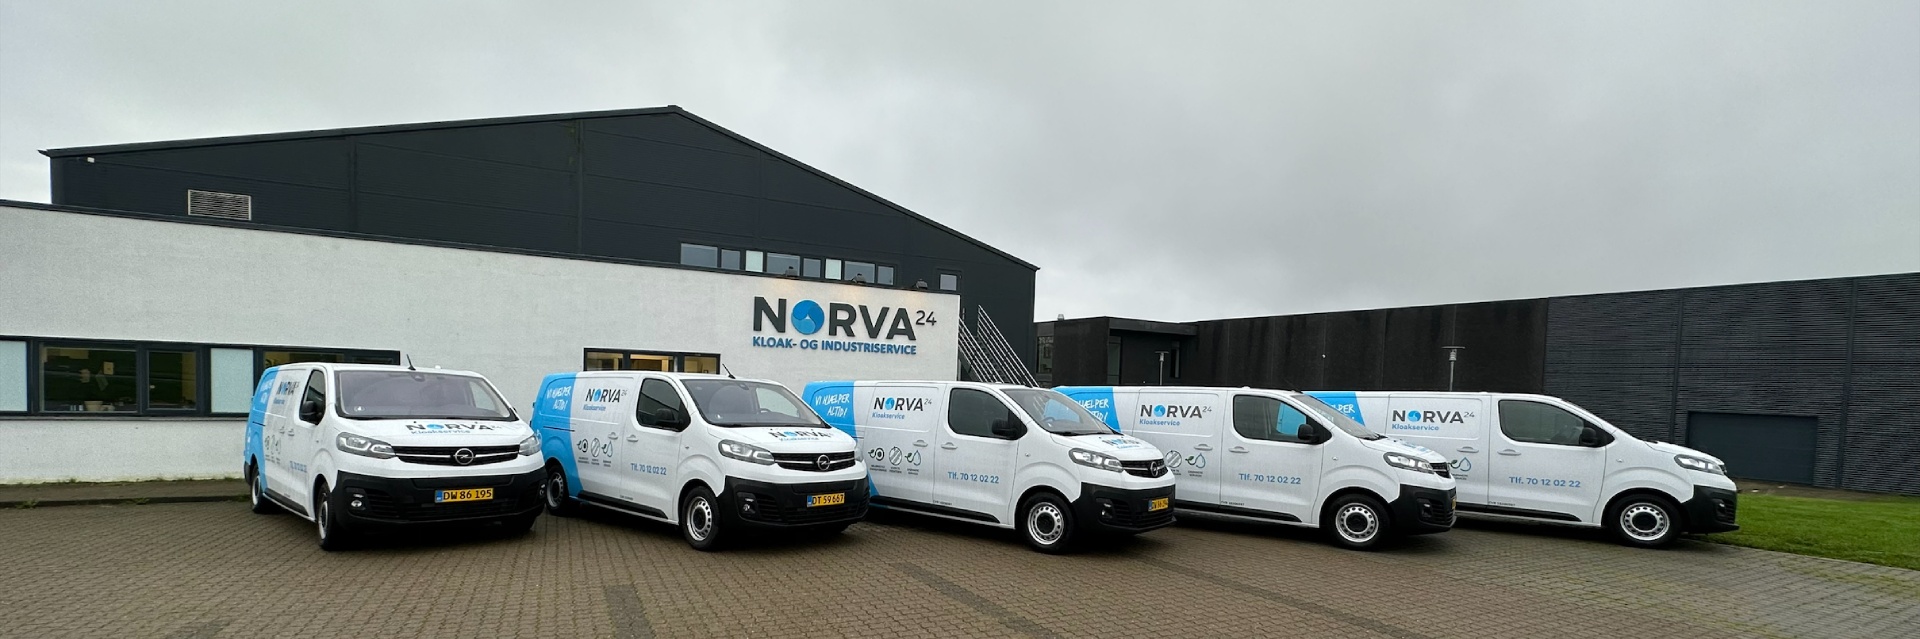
(1413, 415)
(1159, 411)
(807, 317)
(888, 404)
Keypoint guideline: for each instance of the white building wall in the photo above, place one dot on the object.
(511, 317)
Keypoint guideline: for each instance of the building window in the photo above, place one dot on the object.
(699, 255)
(82, 377)
(13, 377)
(756, 262)
(1113, 360)
(230, 379)
(949, 282)
(730, 259)
(605, 359)
(94, 380)
(860, 272)
(783, 264)
(833, 269)
(810, 267)
(884, 275)
(173, 380)
(1044, 362)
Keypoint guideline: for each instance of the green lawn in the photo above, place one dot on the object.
(1877, 530)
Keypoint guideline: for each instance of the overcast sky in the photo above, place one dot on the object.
(1157, 161)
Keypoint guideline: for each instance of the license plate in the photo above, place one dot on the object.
(463, 494)
(1157, 504)
(833, 499)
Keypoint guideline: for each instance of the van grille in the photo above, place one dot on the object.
(445, 455)
(811, 461)
(1442, 469)
(1147, 468)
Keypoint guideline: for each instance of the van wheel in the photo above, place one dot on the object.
(560, 501)
(1047, 523)
(701, 520)
(1644, 521)
(257, 493)
(333, 536)
(1357, 522)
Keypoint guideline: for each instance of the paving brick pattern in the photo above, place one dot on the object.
(206, 570)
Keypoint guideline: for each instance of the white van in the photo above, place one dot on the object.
(1282, 456)
(1543, 459)
(354, 447)
(748, 453)
(1005, 456)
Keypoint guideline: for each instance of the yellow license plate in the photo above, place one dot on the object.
(1157, 504)
(463, 494)
(834, 499)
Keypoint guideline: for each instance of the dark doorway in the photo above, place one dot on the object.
(1770, 447)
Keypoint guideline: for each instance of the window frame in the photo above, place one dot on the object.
(1499, 409)
(1013, 415)
(940, 279)
(202, 370)
(1270, 432)
(640, 397)
(679, 357)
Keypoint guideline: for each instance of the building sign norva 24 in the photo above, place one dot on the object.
(852, 321)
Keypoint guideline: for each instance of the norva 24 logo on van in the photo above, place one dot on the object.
(1427, 419)
(896, 407)
(851, 321)
(1170, 414)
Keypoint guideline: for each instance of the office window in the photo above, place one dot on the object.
(93, 380)
(884, 275)
(860, 272)
(700, 364)
(810, 267)
(173, 380)
(1113, 360)
(949, 282)
(783, 264)
(833, 269)
(601, 359)
(13, 377)
(730, 259)
(1044, 362)
(756, 262)
(699, 255)
(230, 380)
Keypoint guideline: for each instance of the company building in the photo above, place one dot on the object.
(142, 304)
(1804, 382)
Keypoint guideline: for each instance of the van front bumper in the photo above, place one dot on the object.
(1421, 510)
(391, 500)
(1712, 510)
(1121, 510)
(760, 503)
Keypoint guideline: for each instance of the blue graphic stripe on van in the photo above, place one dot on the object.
(1098, 400)
(1345, 402)
(553, 420)
(256, 423)
(833, 402)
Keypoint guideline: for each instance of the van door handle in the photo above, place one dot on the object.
(1202, 447)
(920, 442)
(1510, 452)
(1237, 449)
(1469, 449)
(948, 446)
(633, 438)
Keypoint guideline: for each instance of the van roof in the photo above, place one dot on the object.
(1196, 388)
(332, 366)
(679, 376)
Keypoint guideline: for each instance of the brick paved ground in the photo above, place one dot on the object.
(215, 570)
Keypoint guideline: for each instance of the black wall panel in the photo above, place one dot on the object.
(1879, 446)
(1506, 345)
(1614, 355)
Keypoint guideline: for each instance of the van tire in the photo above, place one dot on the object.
(333, 536)
(1357, 522)
(1644, 521)
(560, 501)
(1046, 522)
(703, 521)
(257, 495)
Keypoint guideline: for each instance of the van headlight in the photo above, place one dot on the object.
(1409, 462)
(1690, 462)
(1101, 461)
(530, 445)
(363, 446)
(746, 452)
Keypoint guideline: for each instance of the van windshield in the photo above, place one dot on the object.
(1333, 416)
(417, 395)
(730, 403)
(1056, 413)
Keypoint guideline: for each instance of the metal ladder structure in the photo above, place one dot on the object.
(988, 354)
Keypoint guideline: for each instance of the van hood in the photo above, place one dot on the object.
(437, 432)
(1391, 445)
(1123, 447)
(1676, 449)
(790, 439)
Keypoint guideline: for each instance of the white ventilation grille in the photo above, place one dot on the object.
(221, 205)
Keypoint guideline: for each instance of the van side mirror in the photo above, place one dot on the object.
(1309, 433)
(311, 410)
(1592, 437)
(1006, 429)
(667, 417)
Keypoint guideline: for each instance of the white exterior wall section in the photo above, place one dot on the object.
(511, 317)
